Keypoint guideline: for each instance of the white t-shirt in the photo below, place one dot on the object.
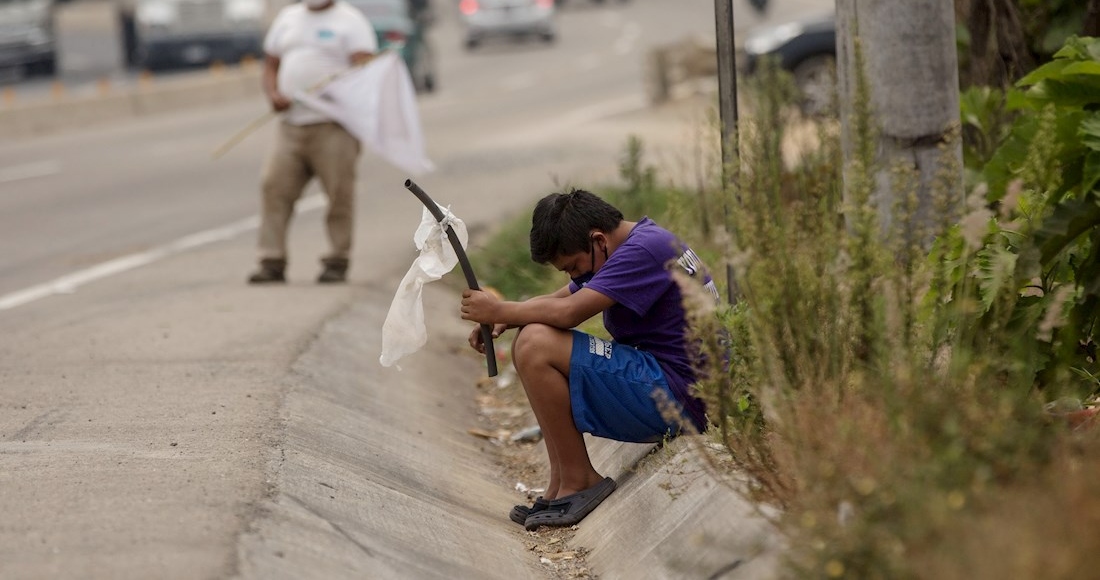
(314, 45)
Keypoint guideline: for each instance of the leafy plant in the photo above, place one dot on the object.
(1046, 238)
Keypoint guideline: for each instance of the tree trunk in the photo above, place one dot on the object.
(1092, 19)
(980, 21)
(1015, 54)
(999, 52)
(910, 66)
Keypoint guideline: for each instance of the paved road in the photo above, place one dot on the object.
(162, 419)
(89, 51)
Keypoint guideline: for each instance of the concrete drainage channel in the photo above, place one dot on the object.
(378, 476)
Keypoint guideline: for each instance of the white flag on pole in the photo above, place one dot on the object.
(403, 332)
(377, 104)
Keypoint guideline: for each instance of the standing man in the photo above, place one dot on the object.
(638, 387)
(307, 44)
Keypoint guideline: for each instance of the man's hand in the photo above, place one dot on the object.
(479, 306)
(270, 82)
(279, 101)
(361, 58)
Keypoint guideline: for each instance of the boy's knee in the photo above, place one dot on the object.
(534, 332)
(526, 338)
(535, 340)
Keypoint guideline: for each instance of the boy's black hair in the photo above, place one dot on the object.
(562, 223)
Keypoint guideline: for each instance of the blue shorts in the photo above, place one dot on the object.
(619, 392)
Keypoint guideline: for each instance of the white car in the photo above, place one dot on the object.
(507, 18)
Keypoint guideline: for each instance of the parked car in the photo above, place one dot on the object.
(27, 42)
(806, 48)
(160, 34)
(402, 25)
(507, 18)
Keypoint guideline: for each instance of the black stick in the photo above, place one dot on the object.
(471, 280)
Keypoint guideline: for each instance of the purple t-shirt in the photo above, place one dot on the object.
(648, 313)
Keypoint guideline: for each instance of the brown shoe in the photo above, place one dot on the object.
(271, 271)
(335, 272)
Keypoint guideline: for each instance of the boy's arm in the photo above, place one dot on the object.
(561, 309)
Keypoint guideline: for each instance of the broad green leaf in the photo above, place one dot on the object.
(1090, 67)
(1093, 49)
(1067, 93)
(1076, 48)
(1050, 70)
(1091, 171)
(1016, 100)
(1069, 220)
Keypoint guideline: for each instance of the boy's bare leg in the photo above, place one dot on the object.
(541, 356)
(551, 491)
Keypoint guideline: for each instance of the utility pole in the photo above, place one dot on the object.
(727, 108)
(910, 64)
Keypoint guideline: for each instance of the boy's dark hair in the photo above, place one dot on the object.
(562, 223)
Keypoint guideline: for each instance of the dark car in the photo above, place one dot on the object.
(402, 25)
(806, 48)
(28, 44)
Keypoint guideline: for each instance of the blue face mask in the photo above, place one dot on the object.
(583, 279)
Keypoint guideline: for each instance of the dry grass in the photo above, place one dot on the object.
(881, 394)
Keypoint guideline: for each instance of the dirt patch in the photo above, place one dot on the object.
(506, 421)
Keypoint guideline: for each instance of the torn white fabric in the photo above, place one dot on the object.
(377, 104)
(404, 332)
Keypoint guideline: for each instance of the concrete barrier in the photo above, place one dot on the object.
(146, 97)
(676, 63)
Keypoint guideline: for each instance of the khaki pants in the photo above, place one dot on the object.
(324, 150)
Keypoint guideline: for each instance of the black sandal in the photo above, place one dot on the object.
(568, 510)
(520, 512)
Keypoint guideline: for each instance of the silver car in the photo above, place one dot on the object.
(507, 18)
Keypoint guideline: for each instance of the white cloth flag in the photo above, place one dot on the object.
(403, 332)
(377, 104)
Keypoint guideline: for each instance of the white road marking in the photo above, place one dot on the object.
(29, 171)
(69, 283)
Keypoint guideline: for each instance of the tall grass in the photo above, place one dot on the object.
(880, 393)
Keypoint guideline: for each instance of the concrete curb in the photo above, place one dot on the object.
(671, 517)
(146, 98)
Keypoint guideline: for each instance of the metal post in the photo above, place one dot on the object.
(727, 107)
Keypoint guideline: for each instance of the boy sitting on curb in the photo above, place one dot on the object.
(578, 383)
